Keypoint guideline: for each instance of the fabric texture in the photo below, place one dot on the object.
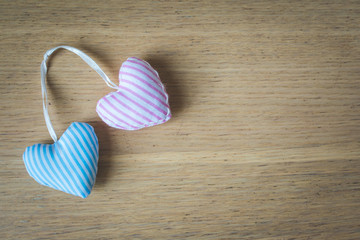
(140, 101)
(70, 164)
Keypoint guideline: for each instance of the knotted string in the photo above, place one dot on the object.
(43, 69)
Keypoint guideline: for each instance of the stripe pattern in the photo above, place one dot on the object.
(70, 164)
(141, 100)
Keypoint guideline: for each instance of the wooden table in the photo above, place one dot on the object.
(264, 142)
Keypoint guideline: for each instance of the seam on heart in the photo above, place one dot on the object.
(157, 78)
(138, 126)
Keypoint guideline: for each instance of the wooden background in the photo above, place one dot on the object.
(264, 142)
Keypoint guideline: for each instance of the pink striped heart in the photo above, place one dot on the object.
(141, 100)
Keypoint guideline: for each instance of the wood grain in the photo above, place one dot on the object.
(265, 137)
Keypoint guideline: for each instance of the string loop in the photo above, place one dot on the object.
(43, 70)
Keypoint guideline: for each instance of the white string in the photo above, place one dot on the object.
(43, 70)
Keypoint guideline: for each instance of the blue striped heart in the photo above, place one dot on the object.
(68, 165)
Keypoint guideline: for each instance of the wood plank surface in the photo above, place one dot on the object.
(264, 142)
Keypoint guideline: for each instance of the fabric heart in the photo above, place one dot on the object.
(141, 100)
(68, 165)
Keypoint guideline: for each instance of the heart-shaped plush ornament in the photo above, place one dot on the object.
(68, 165)
(141, 100)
